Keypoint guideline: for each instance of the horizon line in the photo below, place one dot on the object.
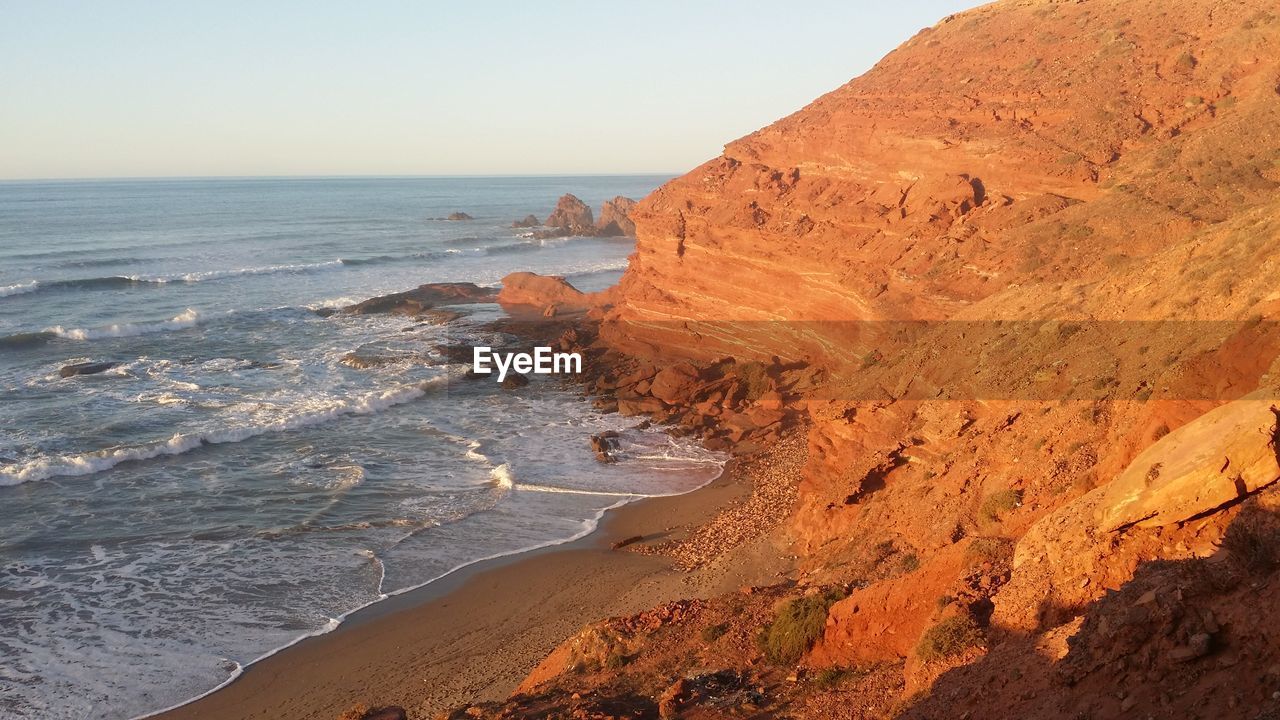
(369, 176)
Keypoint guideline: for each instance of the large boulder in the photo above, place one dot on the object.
(572, 216)
(1221, 456)
(615, 218)
(675, 384)
(542, 291)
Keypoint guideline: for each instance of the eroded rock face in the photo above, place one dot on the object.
(911, 193)
(571, 215)
(615, 218)
(1216, 459)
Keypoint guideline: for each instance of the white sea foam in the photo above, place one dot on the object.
(502, 477)
(20, 288)
(93, 462)
(195, 277)
(189, 318)
(570, 491)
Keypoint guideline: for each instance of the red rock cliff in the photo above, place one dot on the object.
(1017, 143)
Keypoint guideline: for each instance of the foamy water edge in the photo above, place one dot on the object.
(502, 479)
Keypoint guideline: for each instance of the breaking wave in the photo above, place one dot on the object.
(93, 462)
(20, 288)
(187, 319)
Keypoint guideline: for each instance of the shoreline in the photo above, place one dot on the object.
(472, 634)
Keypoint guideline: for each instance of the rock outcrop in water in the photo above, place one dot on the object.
(424, 298)
(548, 293)
(86, 368)
(571, 216)
(1016, 286)
(615, 218)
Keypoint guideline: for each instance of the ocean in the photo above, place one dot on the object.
(232, 486)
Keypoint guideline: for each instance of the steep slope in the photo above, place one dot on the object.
(1018, 142)
(1016, 286)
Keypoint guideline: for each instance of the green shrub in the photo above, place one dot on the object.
(949, 638)
(711, 633)
(755, 380)
(796, 627)
(616, 660)
(828, 678)
(1000, 502)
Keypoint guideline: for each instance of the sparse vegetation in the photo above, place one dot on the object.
(616, 660)
(797, 626)
(910, 562)
(711, 633)
(950, 637)
(994, 550)
(831, 677)
(999, 503)
(755, 379)
(1254, 544)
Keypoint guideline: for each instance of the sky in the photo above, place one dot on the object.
(484, 87)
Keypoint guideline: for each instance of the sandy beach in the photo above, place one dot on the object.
(476, 633)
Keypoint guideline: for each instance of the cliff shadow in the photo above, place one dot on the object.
(1188, 638)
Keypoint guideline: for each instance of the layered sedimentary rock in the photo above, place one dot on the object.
(1005, 278)
(1085, 164)
(1022, 142)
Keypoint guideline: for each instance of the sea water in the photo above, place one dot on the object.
(231, 485)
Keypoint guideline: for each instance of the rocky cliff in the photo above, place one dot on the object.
(1016, 287)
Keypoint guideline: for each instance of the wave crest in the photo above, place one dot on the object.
(20, 288)
(189, 318)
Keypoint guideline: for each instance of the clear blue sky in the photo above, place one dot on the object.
(126, 88)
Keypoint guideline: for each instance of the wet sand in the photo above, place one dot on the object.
(475, 634)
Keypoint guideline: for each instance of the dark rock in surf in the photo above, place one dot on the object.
(85, 368)
(458, 217)
(422, 298)
(514, 380)
(366, 361)
(605, 445)
(529, 221)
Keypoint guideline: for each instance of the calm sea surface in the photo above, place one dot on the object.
(231, 486)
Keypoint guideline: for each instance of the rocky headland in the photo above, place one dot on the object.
(990, 332)
(1014, 288)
